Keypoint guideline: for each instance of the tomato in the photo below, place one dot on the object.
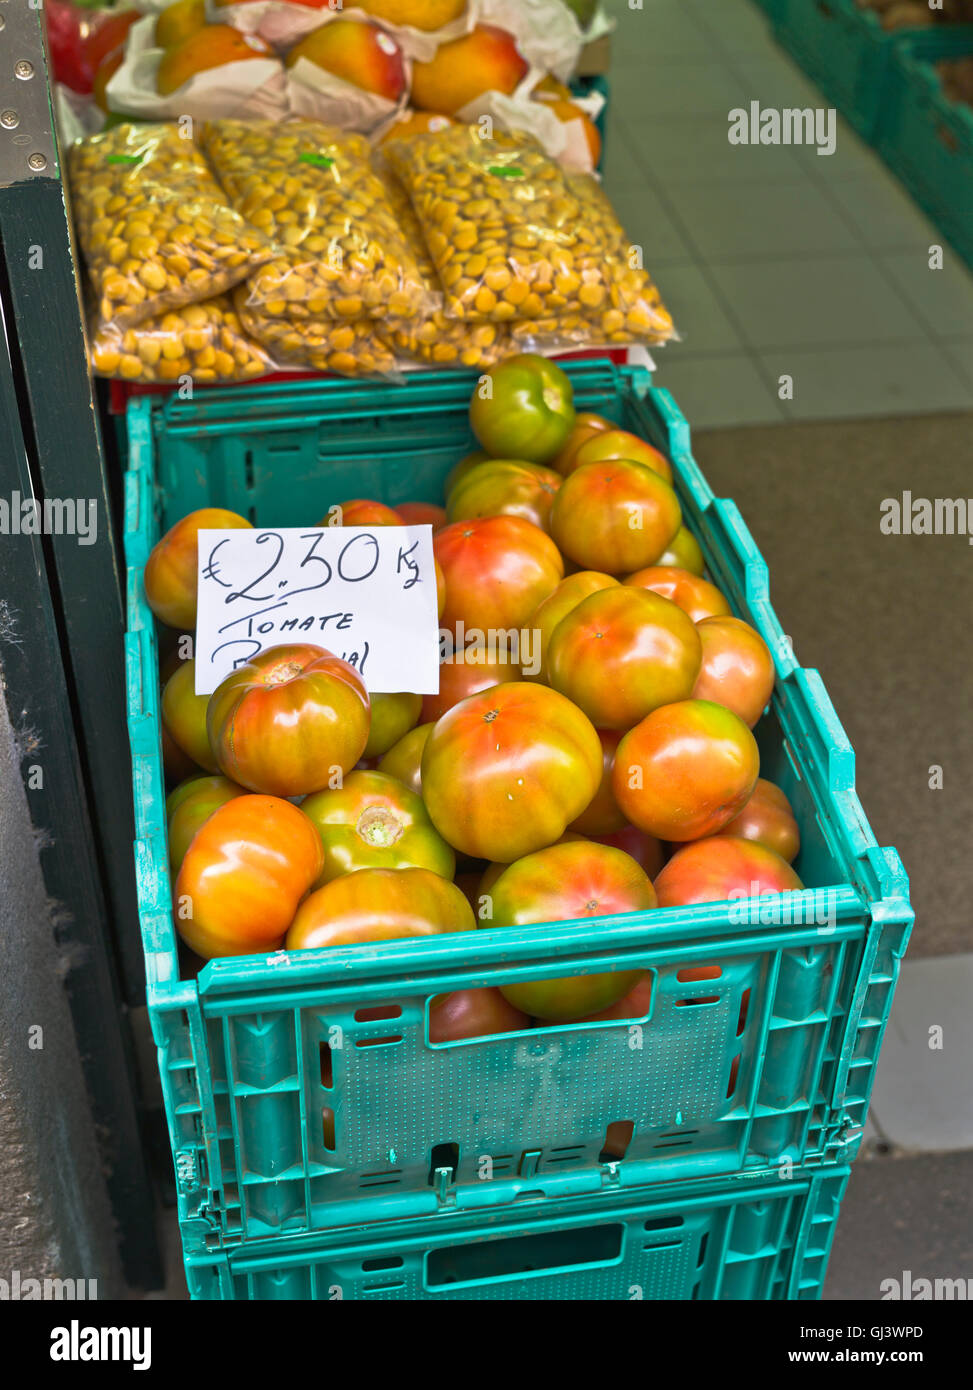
(563, 884)
(504, 487)
(586, 425)
(686, 770)
(243, 875)
(768, 818)
(460, 470)
(622, 653)
(697, 597)
(392, 718)
(189, 806)
(422, 514)
(721, 869)
(548, 614)
(644, 849)
(466, 673)
(523, 408)
(683, 552)
(176, 764)
(614, 517)
(361, 511)
(404, 759)
(184, 716)
(290, 721)
(379, 905)
(504, 772)
(620, 444)
(107, 68)
(171, 569)
(473, 1013)
(636, 1004)
(109, 33)
(486, 880)
(601, 816)
(737, 668)
(497, 569)
(375, 822)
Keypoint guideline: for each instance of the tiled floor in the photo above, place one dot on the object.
(774, 260)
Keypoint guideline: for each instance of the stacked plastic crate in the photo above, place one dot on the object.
(325, 1148)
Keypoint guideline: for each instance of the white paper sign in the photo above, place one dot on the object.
(366, 594)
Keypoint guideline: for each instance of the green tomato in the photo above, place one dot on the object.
(523, 408)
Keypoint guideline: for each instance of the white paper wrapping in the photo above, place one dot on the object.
(283, 23)
(320, 95)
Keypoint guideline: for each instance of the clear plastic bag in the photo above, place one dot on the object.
(203, 341)
(340, 254)
(154, 226)
(354, 347)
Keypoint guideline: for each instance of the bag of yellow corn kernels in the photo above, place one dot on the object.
(351, 348)
(503, 227)
(339, 252)
(432, 339)
(203, 342)
(155, 228)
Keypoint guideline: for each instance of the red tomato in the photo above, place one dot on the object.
(505, 487)
(683, 552)
(422, 514)
(375, 822)
(184, 716)
(292, 720)
(737, 668)
(565, 597)
(506, 771)
(686, 770)
(614, 517)
(466, 673)
(189, 806)
(473, 1013)
(769, 819)
(697, 597)
(440, 589)
(376, 905)
(586, 425)
(486, 880)
(562, 884)
(170, 571)
(109, 33)
(620, 444)
(392, 718)
(498, 569)
(644, 849)
(622, 653)
(404, 759)
(243, 875)
(361, 511)
(636, 1004)
(721, 869)
(601, 816)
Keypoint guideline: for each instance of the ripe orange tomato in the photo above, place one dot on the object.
(621, 444)
(171, 569)
(686, 770)
(504, 772)
(737, 669)
(184, 716)
(644, 849)
(189, 806)
(601, 816)
(422, 514)
(586, 425)
(697, 597)
(497, 569)
(362, 511)
(376, 905)
(290, 721)
(375, 822)
(243, 875)
(565, 597)
(505, 487)
(768, 818)
(466, 673)
(562, 884)
(614, 516)
(721, 869)
(473, 1013)
(621, 653)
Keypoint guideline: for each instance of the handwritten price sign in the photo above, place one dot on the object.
(369, 596)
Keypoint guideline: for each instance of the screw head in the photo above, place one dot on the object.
(23, 70)
(37, 161)
(9, 120)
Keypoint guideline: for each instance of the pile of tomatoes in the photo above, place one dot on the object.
(616, 771)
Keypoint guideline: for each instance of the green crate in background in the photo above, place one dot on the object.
(772, 1062)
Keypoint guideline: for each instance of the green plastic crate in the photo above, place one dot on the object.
(770, 1063)
(750, 1241)
(844, 49)
(925, 138)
